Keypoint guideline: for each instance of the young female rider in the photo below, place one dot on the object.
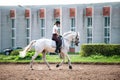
(55, 36)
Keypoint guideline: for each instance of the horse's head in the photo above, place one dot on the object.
(76, 39)
(72, 36)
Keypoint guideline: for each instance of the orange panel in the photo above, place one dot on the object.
(72, 12)
(42, 13)
(88, 11)
(12, 13)
(27, 13)
(106, 11)
(72, 49)
(56, 13)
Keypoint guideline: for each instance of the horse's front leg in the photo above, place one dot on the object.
(33, 58)
(69, 62)
(44, 59)
(63, 59)
(31, 63)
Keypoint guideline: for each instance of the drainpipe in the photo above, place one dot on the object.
(0, 31)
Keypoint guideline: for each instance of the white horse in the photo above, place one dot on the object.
(45, 45)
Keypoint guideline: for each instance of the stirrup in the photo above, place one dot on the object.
(57, 51)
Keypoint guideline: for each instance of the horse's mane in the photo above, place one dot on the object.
(65, 34)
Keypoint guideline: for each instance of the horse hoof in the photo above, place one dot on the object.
(31, 69)
(60, 69)
(57, 65)
(70, 67)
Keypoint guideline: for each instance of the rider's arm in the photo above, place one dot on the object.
(56, 31)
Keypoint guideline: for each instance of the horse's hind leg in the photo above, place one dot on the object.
(44, 59)
(63, 59)
(69, 62)
(33, 58)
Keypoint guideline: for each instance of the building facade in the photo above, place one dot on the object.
(96, 23)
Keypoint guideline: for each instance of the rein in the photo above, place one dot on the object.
(66, 39)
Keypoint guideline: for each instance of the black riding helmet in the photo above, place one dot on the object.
(57, 22)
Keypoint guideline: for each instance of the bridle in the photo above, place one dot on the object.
(76, 39)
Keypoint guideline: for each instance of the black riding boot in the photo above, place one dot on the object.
(57, 48)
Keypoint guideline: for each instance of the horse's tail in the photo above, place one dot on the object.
(27, 48)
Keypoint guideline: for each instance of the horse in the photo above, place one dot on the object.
(45, 45)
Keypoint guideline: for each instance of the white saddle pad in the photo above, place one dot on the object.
(54, 44)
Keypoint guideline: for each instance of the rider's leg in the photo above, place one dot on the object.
(55, 38)
(60, 43)
(57, 47)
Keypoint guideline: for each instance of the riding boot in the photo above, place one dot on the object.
(57, 48)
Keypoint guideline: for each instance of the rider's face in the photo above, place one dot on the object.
(58, 25)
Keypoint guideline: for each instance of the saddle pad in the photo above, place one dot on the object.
(54, 44)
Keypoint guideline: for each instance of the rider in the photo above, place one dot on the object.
(55, 36)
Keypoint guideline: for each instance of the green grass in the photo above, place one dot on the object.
(74, 59)
(95, 59)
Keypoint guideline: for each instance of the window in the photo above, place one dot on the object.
(28, 23)
(72, 24)
(13, 42)
(13, 32)
(72, 29)
(107, 29)
(89, 29)
(89, 32)
(28, 31)
(28, 40)
(13, 23)
(89, 21)
(57, 19)
(42, 27)
(107, 21)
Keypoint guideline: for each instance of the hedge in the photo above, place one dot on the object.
(15, 52)
(100, 49)
(28, 56)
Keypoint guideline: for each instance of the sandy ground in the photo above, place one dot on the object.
(41, 72)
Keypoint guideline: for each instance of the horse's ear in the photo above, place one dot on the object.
(78, 34)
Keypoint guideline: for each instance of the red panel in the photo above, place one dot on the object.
(106, 11)
(12, 13)
(88, 11)
(72, 12)
(72, 49)
(42, 13)
(27, 13)
(56, 13)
